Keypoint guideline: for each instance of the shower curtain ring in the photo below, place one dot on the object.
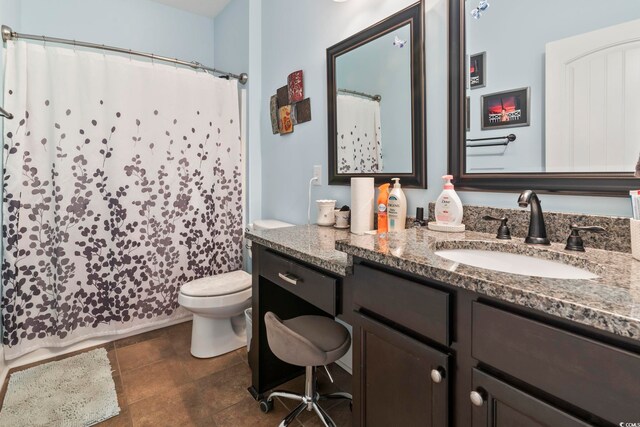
(104, 53)
(74, 45)
(44, 41)
(152, 59)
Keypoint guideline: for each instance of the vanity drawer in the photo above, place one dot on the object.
(308, 284)
(596, 377)
(412, 305)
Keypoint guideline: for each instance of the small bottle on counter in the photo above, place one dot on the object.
(419, 220)
(397, 207)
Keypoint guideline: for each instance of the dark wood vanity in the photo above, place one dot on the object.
(426, 353)
(429, 354)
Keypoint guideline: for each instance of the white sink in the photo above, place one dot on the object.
(515, 264)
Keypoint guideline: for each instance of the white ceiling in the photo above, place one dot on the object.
(208, 8)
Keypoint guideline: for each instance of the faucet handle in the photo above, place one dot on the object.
(574, 242)
(503, 230)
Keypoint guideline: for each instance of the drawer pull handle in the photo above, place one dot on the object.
(437, 375)
(476, 398)
(289, 278)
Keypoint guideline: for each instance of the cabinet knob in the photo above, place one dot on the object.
(437, 375)
(476, 398)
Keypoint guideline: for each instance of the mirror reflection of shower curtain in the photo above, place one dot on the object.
(359, 135)
(122, 181)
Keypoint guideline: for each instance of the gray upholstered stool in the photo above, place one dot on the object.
(309, 341)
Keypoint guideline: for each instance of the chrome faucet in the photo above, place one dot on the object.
(537, 231)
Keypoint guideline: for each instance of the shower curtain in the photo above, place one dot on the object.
(359, 135)
(122, 181)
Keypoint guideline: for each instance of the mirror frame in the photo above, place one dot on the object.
(585, 183)
(411, 15)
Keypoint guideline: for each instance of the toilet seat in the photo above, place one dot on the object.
(217, 286)
(228, 300)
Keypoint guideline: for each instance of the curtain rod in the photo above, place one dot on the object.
(377, 98)
(9, 34)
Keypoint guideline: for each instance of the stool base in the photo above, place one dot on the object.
(308, 401)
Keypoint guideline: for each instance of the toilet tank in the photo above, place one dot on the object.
(268, 224)
(264, 224)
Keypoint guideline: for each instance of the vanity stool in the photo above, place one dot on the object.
(309, 341)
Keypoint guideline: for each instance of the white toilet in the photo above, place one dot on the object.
(217, 304)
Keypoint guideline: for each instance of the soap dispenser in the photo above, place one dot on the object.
(448, 206)
(397, 207)
(448, 210)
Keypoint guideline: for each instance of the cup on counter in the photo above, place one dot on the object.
(342, 218)
(326, 212)
(635, 238)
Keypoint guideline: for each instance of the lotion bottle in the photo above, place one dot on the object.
(383, 201)
(397, 207)
(448, 206)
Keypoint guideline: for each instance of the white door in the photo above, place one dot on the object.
(593, 101)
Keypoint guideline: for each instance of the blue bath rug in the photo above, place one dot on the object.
(76, 391)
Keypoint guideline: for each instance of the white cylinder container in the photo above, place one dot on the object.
(326, 212)
(362, 205)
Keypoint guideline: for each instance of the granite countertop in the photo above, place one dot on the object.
(312, 244)
(610, 302)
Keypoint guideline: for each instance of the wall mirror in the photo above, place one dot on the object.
(375, 84)
(545, 95)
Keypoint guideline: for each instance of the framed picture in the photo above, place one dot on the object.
(468, 113)
(506, 109)
(478, 70)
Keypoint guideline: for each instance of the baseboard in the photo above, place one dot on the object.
(48, 353)
(344, 366)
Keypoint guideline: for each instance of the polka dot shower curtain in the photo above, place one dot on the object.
(359, 135)
(122, 181)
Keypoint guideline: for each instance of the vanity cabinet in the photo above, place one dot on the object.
(401, 365)
(430, 354)
(498, 404)
(403, 382)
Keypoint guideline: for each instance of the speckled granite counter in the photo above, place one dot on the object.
(312, 244)
(610, 303)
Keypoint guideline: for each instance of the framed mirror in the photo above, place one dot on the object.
(376, 97)
(545, 95)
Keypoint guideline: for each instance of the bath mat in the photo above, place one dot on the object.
(76, 391)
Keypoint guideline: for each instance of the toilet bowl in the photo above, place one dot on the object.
(217, 304)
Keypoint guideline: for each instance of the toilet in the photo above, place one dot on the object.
(217, 303)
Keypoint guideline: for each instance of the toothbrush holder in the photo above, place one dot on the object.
(326, 212)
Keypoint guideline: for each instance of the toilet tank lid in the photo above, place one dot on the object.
(222, 284)
(268, 224)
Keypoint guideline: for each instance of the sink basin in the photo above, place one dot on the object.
(516, 264)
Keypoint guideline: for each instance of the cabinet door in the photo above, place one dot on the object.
(399, 381)
(497, 404)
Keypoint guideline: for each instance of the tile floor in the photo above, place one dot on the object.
(159, 383)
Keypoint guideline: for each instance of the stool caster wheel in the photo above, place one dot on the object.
(266, 405)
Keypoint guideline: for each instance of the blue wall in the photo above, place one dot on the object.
(137, 24)
(295, 35)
